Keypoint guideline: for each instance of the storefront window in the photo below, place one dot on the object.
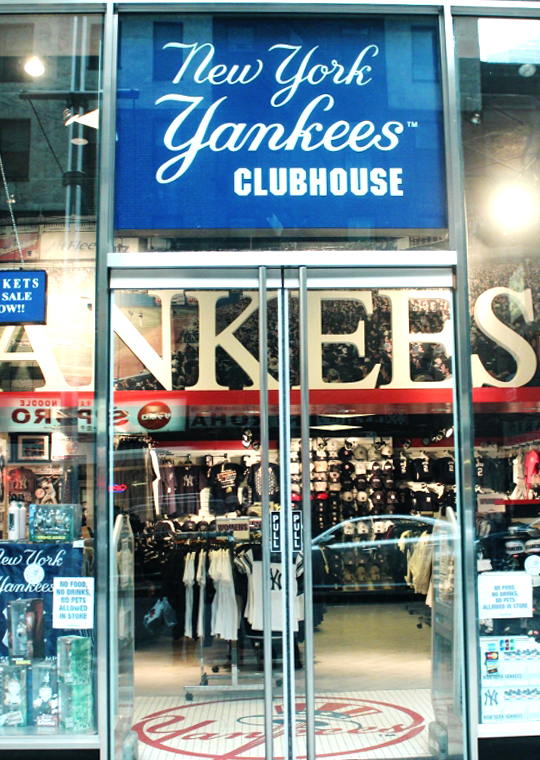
(49, 79)
(500, 101)
(279, 133)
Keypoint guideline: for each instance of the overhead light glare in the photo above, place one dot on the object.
(334, 428)
(514, 207)
(79, 141)
(345, 415)
(90, 119)
(34, 67)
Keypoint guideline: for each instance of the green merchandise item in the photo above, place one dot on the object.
(13, 707)
(74, 659)
(76, 706)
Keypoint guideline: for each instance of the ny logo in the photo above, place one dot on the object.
(275, 579)
(491, 698)
(189, 481)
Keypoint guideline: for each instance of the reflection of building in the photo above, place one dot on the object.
(36, 167)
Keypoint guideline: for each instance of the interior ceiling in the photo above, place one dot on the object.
(501, 123)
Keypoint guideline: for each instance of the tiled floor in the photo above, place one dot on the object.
(374, 725)
(372, 678)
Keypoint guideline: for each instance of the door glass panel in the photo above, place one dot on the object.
(187, 475)
(499, 71)
(383, 517)
(187, 431)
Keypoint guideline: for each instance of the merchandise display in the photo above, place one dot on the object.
(76, 706)
(55, 522)
(74, 659)
(45, 693)
(14, 704)
(46, 671)
(26, 630)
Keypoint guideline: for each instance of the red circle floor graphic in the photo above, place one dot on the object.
(346, 727)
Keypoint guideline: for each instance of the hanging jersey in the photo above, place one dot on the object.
(479, 471)
(423, 469)
(254, 607)
(446, 470)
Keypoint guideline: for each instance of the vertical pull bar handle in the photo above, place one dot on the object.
(306, 515)
(265, 488)
(287, 566)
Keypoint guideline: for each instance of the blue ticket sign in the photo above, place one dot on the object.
(279, 123)
(23, 297)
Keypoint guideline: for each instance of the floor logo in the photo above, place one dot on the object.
(233, 729)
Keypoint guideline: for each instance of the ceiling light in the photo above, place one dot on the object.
(34, 67)
(334, 428)
(79, 141)
(346, 415)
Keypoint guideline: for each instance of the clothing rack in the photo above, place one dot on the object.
(234, 685)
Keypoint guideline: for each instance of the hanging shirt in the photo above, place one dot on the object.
(532, 460)
(21, 484)
(189, 580)
(518, 475)
(224, 482)
(255, 482)
(156, 482)
(224, 605)
(201, 580)
(190, 481)
(167, 485)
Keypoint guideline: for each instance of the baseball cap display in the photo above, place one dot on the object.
(345, 454)
(360, 453)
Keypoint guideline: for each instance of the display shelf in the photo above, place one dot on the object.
(502, 730)
(32, 738)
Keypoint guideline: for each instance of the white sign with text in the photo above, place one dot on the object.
(505, 595)
(73, 603)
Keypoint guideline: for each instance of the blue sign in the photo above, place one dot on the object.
(16, 582)
(23, 297)
(279, 123)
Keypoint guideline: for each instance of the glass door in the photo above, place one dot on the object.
(196, 477)
(373, 471)
(284, 456)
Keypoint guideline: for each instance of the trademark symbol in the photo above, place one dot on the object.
(412, 124)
